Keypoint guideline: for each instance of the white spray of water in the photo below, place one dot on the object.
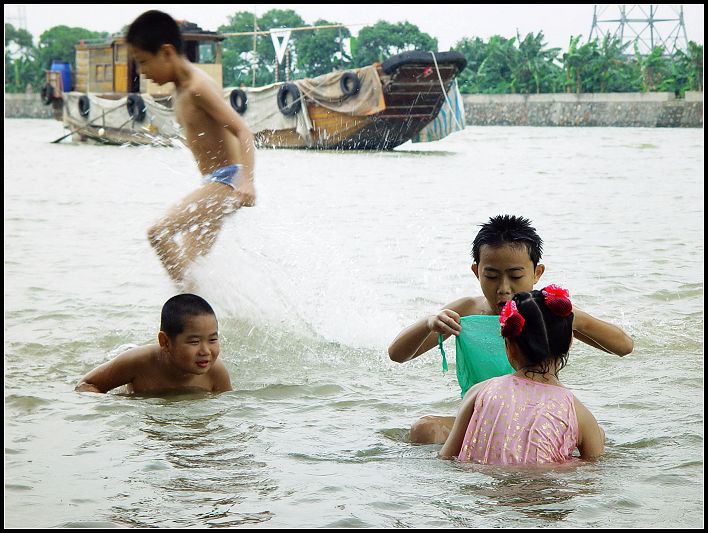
(282, 278)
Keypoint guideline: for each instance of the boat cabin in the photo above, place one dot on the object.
(107, 67)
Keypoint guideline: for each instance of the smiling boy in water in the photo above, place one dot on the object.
(185, 359)
(506, 254)
(219, 139)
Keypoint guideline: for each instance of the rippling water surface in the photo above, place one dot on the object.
(310, 286)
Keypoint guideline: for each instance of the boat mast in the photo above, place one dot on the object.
(253, 60)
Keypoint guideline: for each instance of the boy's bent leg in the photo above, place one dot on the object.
(199, 241)
(432, 429)
(198, 218)
(161, 238)
(218, 201)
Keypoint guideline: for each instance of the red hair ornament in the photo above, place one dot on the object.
(511, 320)
(557, 300)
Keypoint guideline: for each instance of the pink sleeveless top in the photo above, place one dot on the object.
(521, 421)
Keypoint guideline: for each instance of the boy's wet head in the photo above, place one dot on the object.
(506, 255)
(508, 229)
(153, 29)
(178, 309)
(155, 43)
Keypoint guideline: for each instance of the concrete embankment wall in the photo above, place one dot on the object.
(26, 106)
(614, 109)
(648, 110)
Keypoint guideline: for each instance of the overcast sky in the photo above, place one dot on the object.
(447, 22)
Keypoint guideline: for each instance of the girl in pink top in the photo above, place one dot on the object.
(527, 418)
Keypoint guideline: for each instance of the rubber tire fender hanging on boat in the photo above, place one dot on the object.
(294, 107)
(344, 83)
(136, 107)
(84, 106)
(239, 101)
(47, 94)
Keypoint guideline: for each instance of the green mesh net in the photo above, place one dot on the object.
(480, 351)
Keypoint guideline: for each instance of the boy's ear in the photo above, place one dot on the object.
(163, 340)
(475, 269)
(540, 269)
(169, 50)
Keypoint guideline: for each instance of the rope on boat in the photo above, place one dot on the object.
(89, 125)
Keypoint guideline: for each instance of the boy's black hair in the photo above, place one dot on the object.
(545, 336)
(509, 229)
(178, 308)
(152, 29)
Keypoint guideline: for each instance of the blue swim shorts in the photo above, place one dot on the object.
(226, 175)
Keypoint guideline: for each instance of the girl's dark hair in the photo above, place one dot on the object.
(152, 29)
(545, 337)
(511, 229)
(178, 309)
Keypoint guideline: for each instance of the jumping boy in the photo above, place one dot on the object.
(185, 358)
(506, 254)
(221, 142)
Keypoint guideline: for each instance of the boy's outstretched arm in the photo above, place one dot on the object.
(600, 334)
(421, 336)
(118, 371)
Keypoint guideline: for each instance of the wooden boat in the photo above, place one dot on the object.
(377, 107)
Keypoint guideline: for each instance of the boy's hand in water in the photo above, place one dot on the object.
(87, 387)
(246, 193)
(446, 322)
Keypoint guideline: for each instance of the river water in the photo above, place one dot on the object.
(310, 286)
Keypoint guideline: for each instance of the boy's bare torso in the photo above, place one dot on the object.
(156, 375)
(213, 146)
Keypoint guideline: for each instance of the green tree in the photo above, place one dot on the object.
(238, 51)
(322, 51)
(22, 38)
(612, 70)
(687, 68)
(609, 70)
(383, 40)
(20, 60)
(58, 43)
(655, 68)
(535, 68)
(475, 51)
(576, 63)
(496, 72)
(694, 57)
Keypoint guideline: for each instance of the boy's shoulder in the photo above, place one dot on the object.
(140, 356)
(220, 379)
(470, 305)
(198, 82)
